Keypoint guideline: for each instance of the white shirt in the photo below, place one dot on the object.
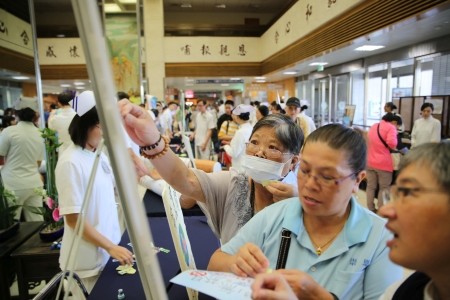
(166, 121)
(426, 131)
(60, 121)
(236, 149)
(22, 146)
(311, 124)
(203, 122)
(72, 176)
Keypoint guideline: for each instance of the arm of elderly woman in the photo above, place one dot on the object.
(143, 131)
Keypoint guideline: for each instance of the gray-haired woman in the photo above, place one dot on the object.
(231, 198)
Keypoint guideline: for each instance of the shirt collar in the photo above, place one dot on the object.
(357, 227)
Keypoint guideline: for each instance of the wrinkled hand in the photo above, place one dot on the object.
(303, 285)
(281, 190)
(272, 287)
(123, 255)
(138, 123)
(249, 261)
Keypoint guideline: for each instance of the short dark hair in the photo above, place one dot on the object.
(202, 101)
(172, 102)
(391, 105)
(286, 131)
(264, 110)
(427, 104)
(229, 102)
(122, 95)
(26, 114)
(65, 97)
(257, 103)
(80, 126)
(244, 116)
(388, 117)
(398, 119)
(342, 138)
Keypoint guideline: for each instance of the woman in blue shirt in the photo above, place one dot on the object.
(337, 248)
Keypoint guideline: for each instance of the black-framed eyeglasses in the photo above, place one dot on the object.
(400, 192)
(324, 180)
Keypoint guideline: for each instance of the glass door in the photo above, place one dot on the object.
(322, 113)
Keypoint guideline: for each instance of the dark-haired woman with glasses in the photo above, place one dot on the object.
(332, 247)
(230, 198)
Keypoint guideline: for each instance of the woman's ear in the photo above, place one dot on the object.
(294, 162)
(359, 177)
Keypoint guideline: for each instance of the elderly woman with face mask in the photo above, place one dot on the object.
(323, 243)
(231, 198)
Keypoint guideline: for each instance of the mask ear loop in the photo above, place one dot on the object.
(290, 170)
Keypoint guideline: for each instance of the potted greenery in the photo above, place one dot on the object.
(8, 207)
(54, 224)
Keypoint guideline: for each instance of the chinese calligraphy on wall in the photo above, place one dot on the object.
(206, 50)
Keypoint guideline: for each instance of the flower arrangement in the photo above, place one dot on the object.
(50, 211)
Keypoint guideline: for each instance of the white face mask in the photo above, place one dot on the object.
(260, 169)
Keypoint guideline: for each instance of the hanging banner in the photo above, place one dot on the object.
(15, 34)
(122, 39)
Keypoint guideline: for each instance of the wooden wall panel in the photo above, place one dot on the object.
(212, 69)
(14, 61)
(56, 72)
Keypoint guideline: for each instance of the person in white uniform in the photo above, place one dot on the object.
(304, 104)
(204, 124)
(101, 233)
(60, 119)
(426, 129)
(21, 151)
(236, 148)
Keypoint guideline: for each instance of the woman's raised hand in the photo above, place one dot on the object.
(138, 123)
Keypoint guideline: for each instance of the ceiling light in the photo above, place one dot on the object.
(112, 8)
(186, 5)
(260, 78)
(224, 84)
(221, 6)
(80, 87)
(289, 73)
(78, 83)
(318, 64)
(20, 77)
(235, 79)
(260, 81)
(368, 48)
(60, 35)
(65, 85)
(127, 1)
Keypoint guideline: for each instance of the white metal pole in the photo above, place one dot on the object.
(97, 61)
(37, 70)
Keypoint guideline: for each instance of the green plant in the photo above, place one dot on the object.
(50, 211)
(8, 207)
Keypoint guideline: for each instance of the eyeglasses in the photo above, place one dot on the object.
(402, 193)
(270, 153)
(323, 180)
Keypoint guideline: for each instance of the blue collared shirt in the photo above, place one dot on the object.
(355, 266)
